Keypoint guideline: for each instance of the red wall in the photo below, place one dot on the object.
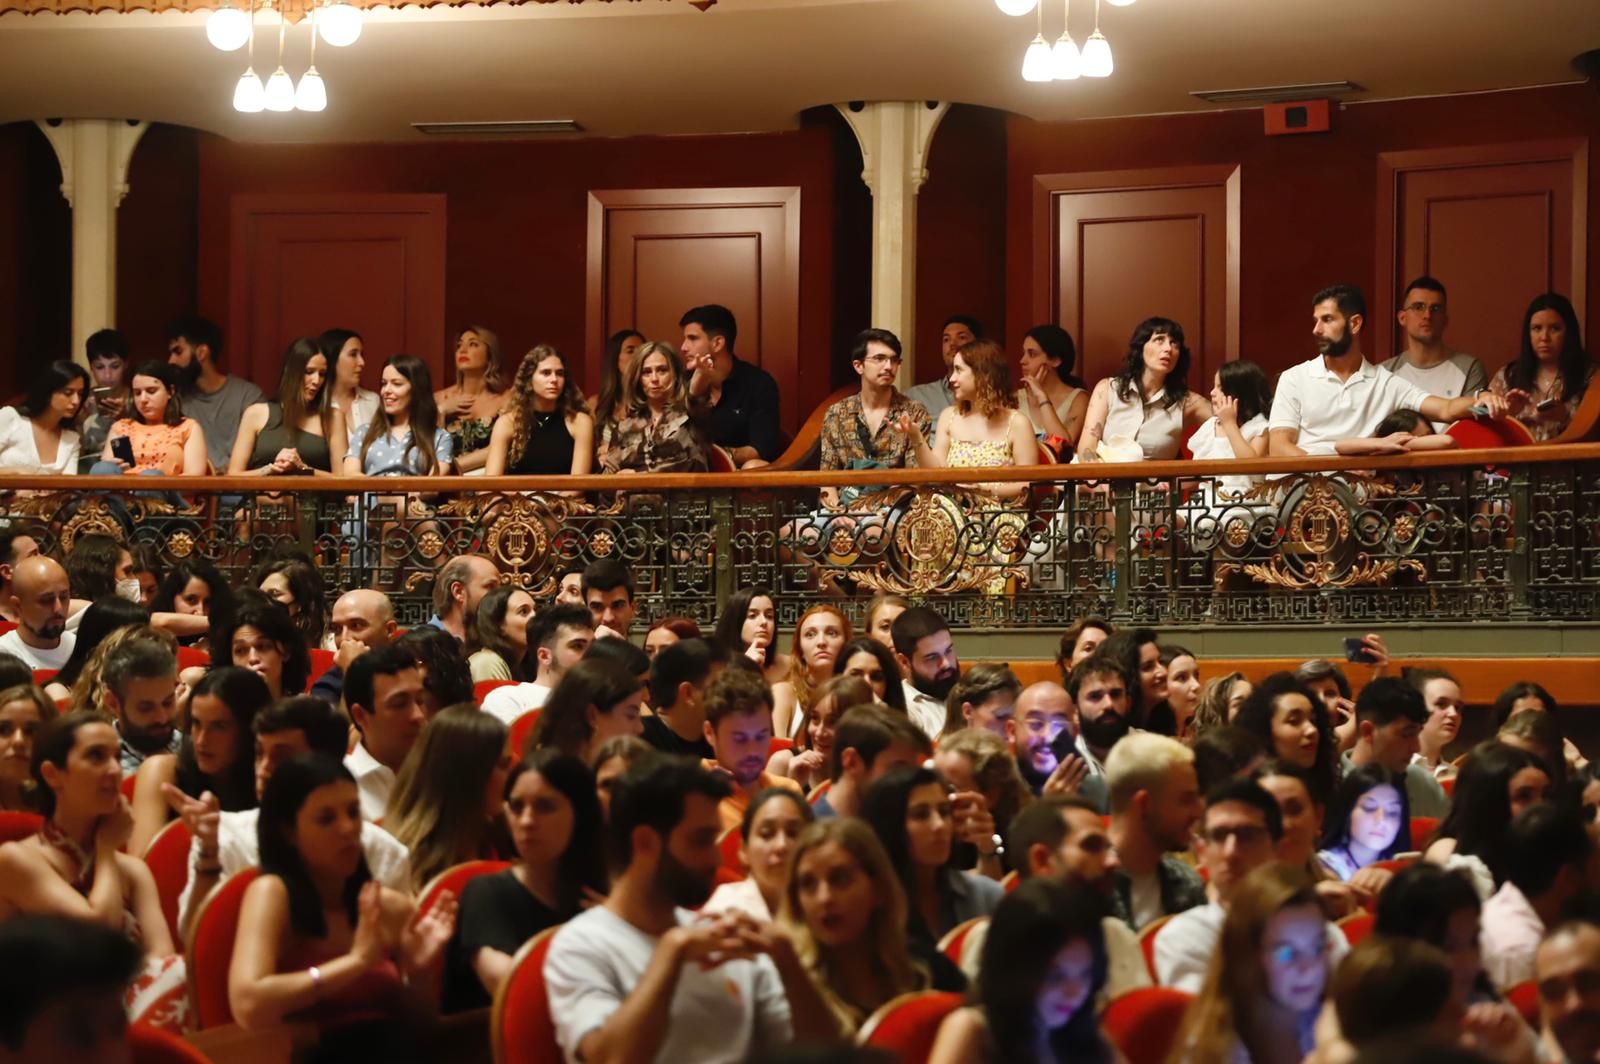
(35, 256)
(1309, 202)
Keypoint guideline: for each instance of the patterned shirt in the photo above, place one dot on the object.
(397, 457)
(847, 443)
(675, 444)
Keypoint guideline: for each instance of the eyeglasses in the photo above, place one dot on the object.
(893, 360)
(1243, 834)
(1430, 308)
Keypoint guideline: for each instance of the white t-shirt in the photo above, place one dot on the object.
(239, 847)
(1210, 443)
(1456, 376)
(1144, 894)
(509, 703)
(374, 781)
(731, 1013)
(1313, 399)
(925, 711)
(1185, 943)
(12, 643)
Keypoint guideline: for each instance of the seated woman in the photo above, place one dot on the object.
(1303, 817)
(293, 581)
(24, 709)
(913, 815)
(595, 700)
(97, 621)
(609, 406)
(819, 635)
(318, 939)
(545, 430)
(981, 429)
(39, 436)
(974, 761)
(748, 625)
(468, 408)
(449, 793)
(1139, 651)
(1441, 693)
(847, 914)
(1400, 433)
(662, 432)
(217, 757)
(1291, 721)
(74, 866)
(260, 637)
(772, 822)
(611, 760)
(1149, 401)
(555, 822)
(1495, 785)
(1267, 978)
(1550, 375)
(497, 640)
(809, 762)
(299, 433)
(1368, 821)
(1052, 399)
(161, 440)
(403, 438)
(1537, 734)
(346, 356)
(194, 588)
(872, 661)
(1221, 698)
(446, 680)
(665, 631)
(1183, 685)
(1043, 966)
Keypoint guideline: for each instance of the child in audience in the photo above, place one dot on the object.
(846, 911)
(554, 820)
(820, 636)
(808, 763)
(1241, 397)
(1496, 783)
(1265, 985)
(1401, 432)
(772, 822)
(1367, 821)
(1043, 966)
(449, 793)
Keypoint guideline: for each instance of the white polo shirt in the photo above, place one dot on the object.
(1312, 398)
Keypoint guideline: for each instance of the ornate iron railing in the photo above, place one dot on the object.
(1488, 536)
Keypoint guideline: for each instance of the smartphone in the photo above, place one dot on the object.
(1064, 745)
(122, 447)
(103, 391)
(1547, 405)
(1356, 650)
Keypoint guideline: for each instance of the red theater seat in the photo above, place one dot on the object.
(1356, 927)
(908, 1025)
(1147, 941)
(15, 827)
(167, 857)
(520, 1026)
(193, 658)
(1144, 1023)
(152, 1045)
(954, 941)
(521, 730)
(211, 949)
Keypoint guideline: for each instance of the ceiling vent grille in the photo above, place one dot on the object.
(497, 129)
(1319, 90)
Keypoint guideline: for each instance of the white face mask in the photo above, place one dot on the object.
(130, 589)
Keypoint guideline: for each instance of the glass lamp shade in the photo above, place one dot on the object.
(1120, 3)
(1016, 7)
(280, 91)
(1065, 62)
(1036, 61)
(340, 24)
(1096, 56)
(248, 95)
(228, 29)
(311, 94)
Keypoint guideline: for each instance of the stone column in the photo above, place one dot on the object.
(894, 136)
(94, 154)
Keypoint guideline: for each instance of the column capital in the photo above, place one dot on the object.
(75, 140)
(910, 124)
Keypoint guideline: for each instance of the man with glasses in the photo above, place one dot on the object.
(1428, 362)
(1238, 834)
(858, 432)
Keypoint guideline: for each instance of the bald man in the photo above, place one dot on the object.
(40, 597)
(362, 620)
(1567, 969)
(1044, 713)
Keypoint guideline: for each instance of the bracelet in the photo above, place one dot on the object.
(316, 977)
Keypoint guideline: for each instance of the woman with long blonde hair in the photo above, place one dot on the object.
(1268, 975)
(468, 408)
(846, 912)
(546, 429)
(819, 636)
(662, 432)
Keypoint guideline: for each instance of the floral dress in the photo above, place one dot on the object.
(997, 538)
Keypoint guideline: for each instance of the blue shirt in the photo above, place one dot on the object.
(391, 457)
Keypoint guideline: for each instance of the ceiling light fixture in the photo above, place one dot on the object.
(311, 94)
(248, 95)
(340, 24)
(280, 86)
(1036, 61)
(1097, 50)
(1015, 7)
(1065, 62)
(1120, 3)
(228, 28)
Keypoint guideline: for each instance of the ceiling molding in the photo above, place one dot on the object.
(294, 9)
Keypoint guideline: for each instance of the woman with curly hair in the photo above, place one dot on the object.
(983, 429)
(1149, 402)
(468, 408)
(1221, 698)
(293, 582)
(545, 430)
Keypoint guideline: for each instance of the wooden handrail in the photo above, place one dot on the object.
(1544, 454)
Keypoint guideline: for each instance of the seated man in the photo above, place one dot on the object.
(214, 399)
(462, 583)
(1427, 361)
(858, 432)
(640, 977)
(927, 657)
(743, 397)
(1548, 858)
(868, 743)
(40, 598)
(1155, 802)
(558, 636)
(63, 983)
(384, 695)
(1390, 714)
(959, 330)
(141, 694)
(1339, 395)
(1567, 968)
(224, 843)
(679, 675)
(1239, 833)
(362, 620)
(608, 592)
(738, 725)
(1043, 723)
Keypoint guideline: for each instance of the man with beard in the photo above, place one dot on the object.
(738, 707)
(462, 583)
(1567, 968)
(1547, 854)
(1099, 686)
(1155, 801)
(927, 657)
(208, 395)
(1339, 395)
(141, 680)
(1044, 713)
(642, 978)
(959, 330)
(40, 598)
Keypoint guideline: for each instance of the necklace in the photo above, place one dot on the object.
(59, 840)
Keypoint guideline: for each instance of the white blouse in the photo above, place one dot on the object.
(361, 411)
(1157, 428)
(18, 450)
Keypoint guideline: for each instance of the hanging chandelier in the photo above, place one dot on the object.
(228, 28)
(1063, 61)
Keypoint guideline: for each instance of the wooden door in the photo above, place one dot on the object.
(1112, 249)
(302, 264)
(654, 253)
(1497, 225)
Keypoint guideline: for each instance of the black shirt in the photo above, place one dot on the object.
(746, 415)
(499, 913)
(663, 738)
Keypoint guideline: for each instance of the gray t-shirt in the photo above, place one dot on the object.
(1456, 376)
(218, 414)
(934, 395)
